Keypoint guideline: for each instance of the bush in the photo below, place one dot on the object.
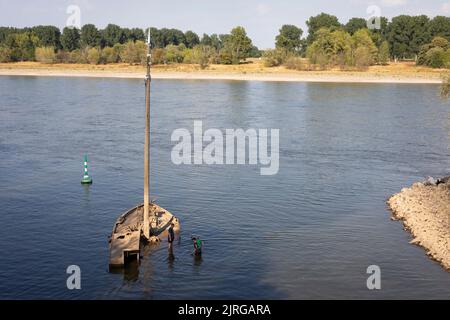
(75, 56)
(421, 57)
(5, 54)
(317, 57)
(297, 63)
(363, 58)
(175, 54)
(383, 54)
(134, 52)
(129, 53)
(225, 56)
(440, 42)
(435, 54)
(158, 56)
(118, 49)
(45, 55)
(447, 59)
(200, 54)
(79, 56)
(93, 56)
(141, 52)
(435, 57)
(109, 55)
(63, 56)
(274, 57)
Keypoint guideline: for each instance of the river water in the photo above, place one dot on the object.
(309, 231)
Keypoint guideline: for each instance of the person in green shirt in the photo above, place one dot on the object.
(198, 244)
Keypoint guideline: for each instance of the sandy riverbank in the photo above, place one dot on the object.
(425, 212)
(254, 71)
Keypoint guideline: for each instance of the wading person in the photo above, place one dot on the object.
(171, 236)
(197, 246)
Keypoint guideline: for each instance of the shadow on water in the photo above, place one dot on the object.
(87, 193)
(198, 259)
(130, 272)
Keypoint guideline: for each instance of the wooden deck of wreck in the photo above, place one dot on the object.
(126, 236)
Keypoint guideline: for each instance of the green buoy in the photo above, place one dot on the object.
(86, 178)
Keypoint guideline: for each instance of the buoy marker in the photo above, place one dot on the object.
(86, 178)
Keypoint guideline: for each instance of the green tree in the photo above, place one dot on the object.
(90, 36)
(206, 40)
(239, 44)
(289, 38)
(22, 46)
(422, 34)
(70, 39)
(171, 36)
(157, 38)
(133, 34)
(355, 24)
(440, 26)
(5, 32)
(113, 34)
(49, 36)
(361, 38)
(136, 34)
(383, 54)
(380, 35)
(435, 54)
(216, 42)
(192, 39)
(5, 54)
(331, 48)
(318, 22)
(407, 34)
(255, 52)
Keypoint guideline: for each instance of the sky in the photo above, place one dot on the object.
(261, 18)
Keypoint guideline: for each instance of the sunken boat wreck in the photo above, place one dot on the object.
(146, 223)
(128, 235)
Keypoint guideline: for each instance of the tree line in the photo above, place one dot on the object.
(332, 44)
(329, 43)
(115, 44)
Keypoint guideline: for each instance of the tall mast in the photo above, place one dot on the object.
(148, 80)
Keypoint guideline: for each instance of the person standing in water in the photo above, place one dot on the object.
(171, 236)
(197, 246)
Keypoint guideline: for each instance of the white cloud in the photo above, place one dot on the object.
(446, 7)
(263, 9)
(393, 3)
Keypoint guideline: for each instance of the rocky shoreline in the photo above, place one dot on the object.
(424, 209)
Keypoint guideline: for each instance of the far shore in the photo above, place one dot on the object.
(404, 72)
